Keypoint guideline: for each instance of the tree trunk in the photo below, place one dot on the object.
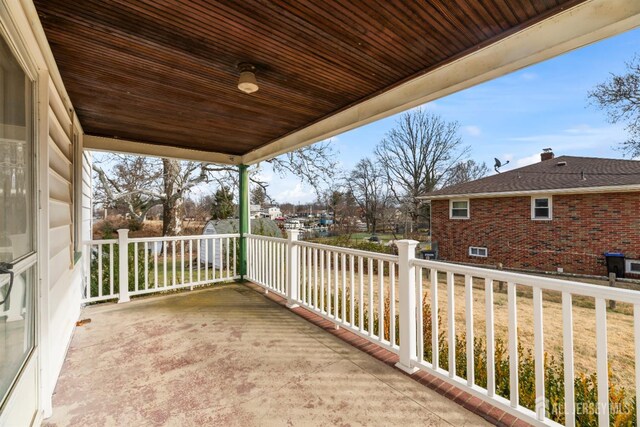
(172, 207)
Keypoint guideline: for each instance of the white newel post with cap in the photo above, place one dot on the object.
(407, 305)
(123, 265)
(292, 269)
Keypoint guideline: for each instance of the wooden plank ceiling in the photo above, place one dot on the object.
(164, 71)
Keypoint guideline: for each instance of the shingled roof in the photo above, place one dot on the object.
(561, 173)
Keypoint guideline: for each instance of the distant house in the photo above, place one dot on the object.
(274, 212)
(212, 251)
(259, 226)
(562, 213)
(255, 211)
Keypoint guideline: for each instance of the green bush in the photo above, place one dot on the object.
(134, 225)
(622, 403)
(362, 245)
(107, 229)
(106, 250)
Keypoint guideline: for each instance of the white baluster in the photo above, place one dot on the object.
(452, 323)
(491, 343)
(173, 263)
(567, 353)
(361, 294)
(370, 294)
(111, 249)
(380, 300)
(636, 330)
(513, 344)
(99, 269)
(435, 339)
(191, 262)
(420, 314)
(146, 266)
(315, 278)
(322, 292)
(343, 262)
(538, 345)
(352, 289)
(468, 290)
(392, 308)
(602, 365)
(135, 266)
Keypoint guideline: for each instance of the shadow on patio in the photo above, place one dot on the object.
(229, 356)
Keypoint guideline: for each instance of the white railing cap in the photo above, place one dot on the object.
(406, 242)
(349, 251)
(546, 283)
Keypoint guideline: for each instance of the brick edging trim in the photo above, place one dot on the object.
(473, 404)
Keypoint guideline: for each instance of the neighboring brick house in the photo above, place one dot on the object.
(562, 213)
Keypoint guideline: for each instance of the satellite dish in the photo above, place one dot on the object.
(499, 164)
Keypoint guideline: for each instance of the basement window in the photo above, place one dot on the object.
(478, 251)
(633, 266)
(459, 209)
(541, 208)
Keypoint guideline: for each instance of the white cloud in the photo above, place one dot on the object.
(472, 130)
(529, 160)
(577, 139)
(528, 76)
(296, 194)
(264, 173)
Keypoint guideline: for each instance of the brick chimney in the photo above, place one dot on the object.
(546, 154)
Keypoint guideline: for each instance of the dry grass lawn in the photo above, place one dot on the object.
(619, 326)
(619, 322)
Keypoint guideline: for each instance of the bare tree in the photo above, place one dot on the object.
(466, 171)
(619, 96)
(132, 184)
(417, 155)
(141, 183)
(367, 183)
(314, 165)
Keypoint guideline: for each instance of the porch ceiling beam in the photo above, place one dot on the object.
(578, 26)
(100, 143)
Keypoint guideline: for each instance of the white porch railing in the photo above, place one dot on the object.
(156, 264)
(393, 301)
(381, 297)
(343, 285)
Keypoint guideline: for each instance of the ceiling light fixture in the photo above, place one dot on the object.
(247, 81)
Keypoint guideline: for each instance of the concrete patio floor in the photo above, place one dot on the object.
(229, 356)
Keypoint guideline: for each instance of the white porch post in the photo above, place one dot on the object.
(292, 269)
(407, 288)
(123, 265)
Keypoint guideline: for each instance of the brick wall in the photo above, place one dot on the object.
(582, 229)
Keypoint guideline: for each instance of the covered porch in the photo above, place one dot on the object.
(161, 79)
(230, 355)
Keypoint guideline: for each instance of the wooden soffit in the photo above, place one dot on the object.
(164, 72)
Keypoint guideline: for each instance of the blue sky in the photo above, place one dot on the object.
(513, 117)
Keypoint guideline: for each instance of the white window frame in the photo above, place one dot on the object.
(452, 201)
(627, 266)
(533, 207)
(478, 249)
